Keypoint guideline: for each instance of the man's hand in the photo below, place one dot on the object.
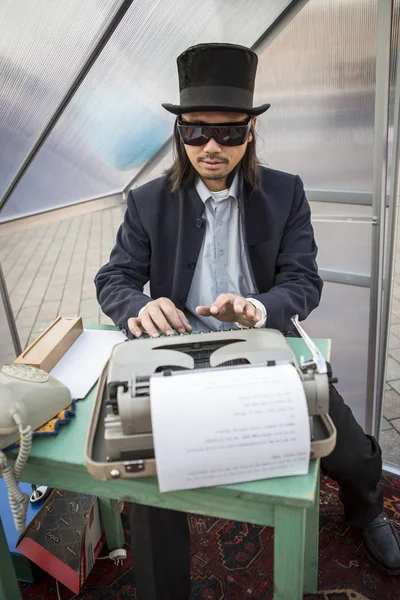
(159, 315)
(230, 307)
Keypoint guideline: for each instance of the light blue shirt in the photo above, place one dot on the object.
(222, 265)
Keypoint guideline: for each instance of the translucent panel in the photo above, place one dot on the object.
(42, 47)
(115, 122)
(343, 245)
(341, 307)
(319, 75)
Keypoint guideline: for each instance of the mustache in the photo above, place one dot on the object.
(212, 158)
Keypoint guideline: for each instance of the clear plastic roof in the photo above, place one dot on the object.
(319, 76)
(114, 123)
(42, 47)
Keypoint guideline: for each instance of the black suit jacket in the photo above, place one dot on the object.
(160, 240)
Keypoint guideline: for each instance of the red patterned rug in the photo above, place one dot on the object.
(233, 561)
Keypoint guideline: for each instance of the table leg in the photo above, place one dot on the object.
(289, 536)
(9, 587)
(311, 548)
(112, 523)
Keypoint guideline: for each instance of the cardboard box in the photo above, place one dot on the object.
(65, 537)
(52, 344)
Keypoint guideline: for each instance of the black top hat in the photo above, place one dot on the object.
(217, 77)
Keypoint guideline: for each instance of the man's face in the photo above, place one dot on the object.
(215, 161)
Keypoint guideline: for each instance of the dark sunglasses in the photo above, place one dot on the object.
(226, 134)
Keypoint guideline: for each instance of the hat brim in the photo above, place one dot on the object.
(177, 109)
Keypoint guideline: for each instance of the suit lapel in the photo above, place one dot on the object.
(257, 215)
(191, 229)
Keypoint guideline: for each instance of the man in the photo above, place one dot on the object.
(226, 243)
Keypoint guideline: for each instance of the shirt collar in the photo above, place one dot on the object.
(205, 193)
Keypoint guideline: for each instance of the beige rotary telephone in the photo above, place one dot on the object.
(29, 397)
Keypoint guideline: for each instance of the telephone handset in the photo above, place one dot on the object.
(29, 397)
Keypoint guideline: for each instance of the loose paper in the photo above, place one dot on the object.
(82, 364)
(229, 425)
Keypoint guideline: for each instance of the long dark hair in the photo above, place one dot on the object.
(182, 174)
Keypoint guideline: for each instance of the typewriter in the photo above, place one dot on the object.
(120, 440)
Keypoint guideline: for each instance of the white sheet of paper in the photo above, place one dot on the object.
(229, 426)
(82, 364)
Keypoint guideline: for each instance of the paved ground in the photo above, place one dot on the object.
(49, 271)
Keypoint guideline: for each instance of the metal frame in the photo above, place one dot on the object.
(389, 257)
(10, 315)
(111, 197)
(111, 27)
(339, 197)
(357, 279)
(391, 468)
(285, 17)
(375, 367)
(343, 219)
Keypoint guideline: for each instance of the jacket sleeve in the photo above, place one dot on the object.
(120, 282)
(297, 288)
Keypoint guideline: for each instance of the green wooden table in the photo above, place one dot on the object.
(289, 504)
